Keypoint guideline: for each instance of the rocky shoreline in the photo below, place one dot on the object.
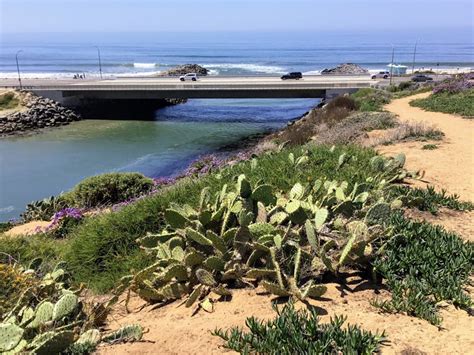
(40, 113)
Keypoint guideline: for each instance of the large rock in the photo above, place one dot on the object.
(344, 69)
(40, 112)
(184, 69)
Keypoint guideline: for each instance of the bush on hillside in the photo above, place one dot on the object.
(342, 101)
(354, 128)
(8, 100)
(369, 99)
(109, 188)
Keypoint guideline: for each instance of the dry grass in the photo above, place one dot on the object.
(354, 128)
(406, 131)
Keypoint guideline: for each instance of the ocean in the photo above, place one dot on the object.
(41, 165)
(128, 54)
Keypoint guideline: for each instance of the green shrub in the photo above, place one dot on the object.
(8, 100)
(342, 101)
(369, 99)
(353, 128)
(429, 147)
(300, 332)
(109, 188)
(460, 103)
(5, 226)
(423, 265)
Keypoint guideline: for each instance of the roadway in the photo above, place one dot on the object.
(205, 87)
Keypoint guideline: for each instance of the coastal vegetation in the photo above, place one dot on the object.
(309, 205)
(454, 95)
(300, 331)
(458, 103)
(8, 100)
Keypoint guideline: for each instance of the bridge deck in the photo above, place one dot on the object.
(205, 87)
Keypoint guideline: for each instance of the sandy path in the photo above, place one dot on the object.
(172, 330)
(29, 228)
(452, 165)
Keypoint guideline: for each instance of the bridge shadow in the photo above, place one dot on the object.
(138, 110)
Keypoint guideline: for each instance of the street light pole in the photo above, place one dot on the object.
(414, 57)
(18, 68)
(100, 62)
(391, 66)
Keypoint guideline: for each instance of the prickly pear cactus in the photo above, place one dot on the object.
(55, 343)
(132, 332)
(10, 336)
(65, 306)
(284, 241)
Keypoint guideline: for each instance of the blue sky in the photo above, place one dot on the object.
(232, 15)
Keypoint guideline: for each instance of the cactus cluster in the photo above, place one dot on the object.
(49, 317)
(255, 236)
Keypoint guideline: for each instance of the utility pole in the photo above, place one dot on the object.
(414, 58)
(391, 66)
(18, 68)
(100, 62)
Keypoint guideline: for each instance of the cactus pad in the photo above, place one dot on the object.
(43, 314)
(55, 344)
(264, 194)
(205, 277)
(91, 336)
(275, 289)
(10, 336)
(175, 219)
(243, 187)
(65, 306)
(127, 333)
(260, 229)
(378, 213)
(197, 237)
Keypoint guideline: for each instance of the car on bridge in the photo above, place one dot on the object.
(381, 75)
(293, 75)
(421, 78)
(188, 76)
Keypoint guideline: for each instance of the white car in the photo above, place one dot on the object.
(188, 76)
(381, 75)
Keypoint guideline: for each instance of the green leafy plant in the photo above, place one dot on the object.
(300, 332)
(429, 147)
(429, 199)
(423, 265)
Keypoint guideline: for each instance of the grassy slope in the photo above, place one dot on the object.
(103, 249)
(461, 103)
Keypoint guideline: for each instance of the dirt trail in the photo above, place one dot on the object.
(451, 166)
(29, 228)
(172, 329)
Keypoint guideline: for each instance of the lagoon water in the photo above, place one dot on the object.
(44, 164)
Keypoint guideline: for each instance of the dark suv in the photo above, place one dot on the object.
(294, 75)
(421, 78)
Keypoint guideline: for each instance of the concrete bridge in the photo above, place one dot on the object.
(68, 91)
